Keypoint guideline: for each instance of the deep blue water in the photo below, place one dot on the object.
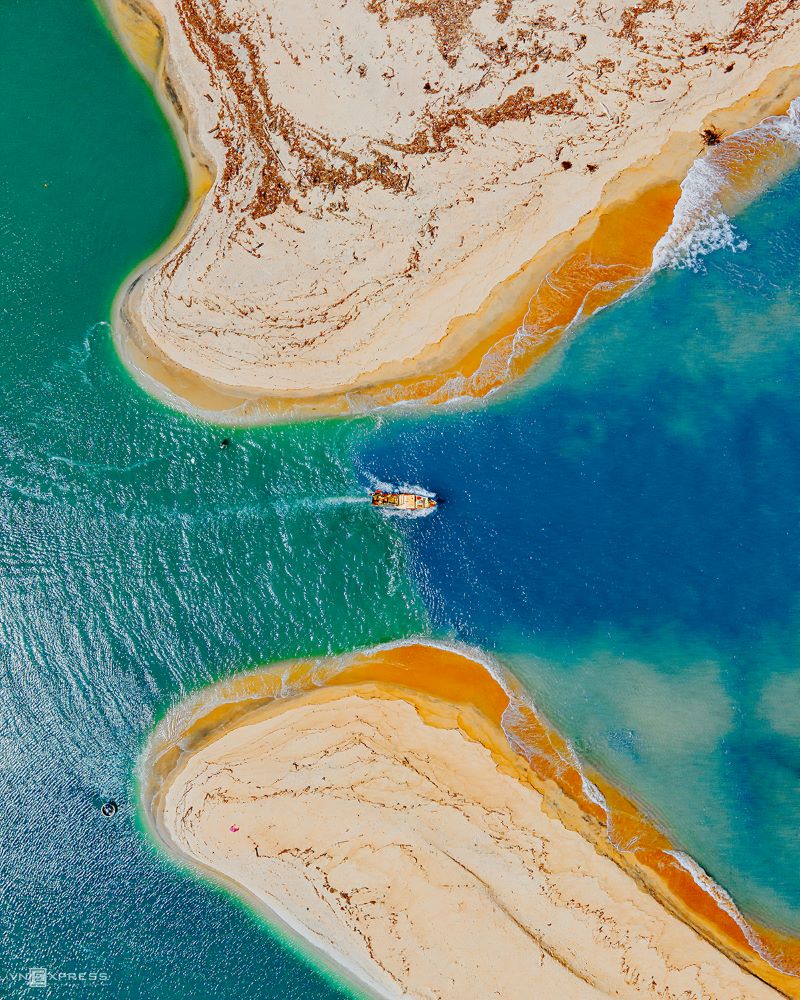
(623, 532)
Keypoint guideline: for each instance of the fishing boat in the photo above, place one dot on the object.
(403, 501)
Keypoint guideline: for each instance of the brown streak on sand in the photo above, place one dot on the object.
(537, 939)
(333, 269)
(452, 692)
(143, 34)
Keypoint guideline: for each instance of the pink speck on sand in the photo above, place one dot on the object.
(234, 828)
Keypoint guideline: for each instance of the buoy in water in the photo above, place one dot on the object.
(109, 809)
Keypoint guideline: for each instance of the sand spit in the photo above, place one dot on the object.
(375, 806)
(387, 175)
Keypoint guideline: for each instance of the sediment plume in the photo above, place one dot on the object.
(381, 186)
(393, 808)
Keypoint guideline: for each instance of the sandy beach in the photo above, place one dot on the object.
(394, 200)
(393, 181)
(379, 812)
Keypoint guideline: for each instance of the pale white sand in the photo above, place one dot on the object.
(404, 852)
(382, 165)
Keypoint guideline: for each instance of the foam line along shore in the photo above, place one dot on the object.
(203, 748)
(481, 309)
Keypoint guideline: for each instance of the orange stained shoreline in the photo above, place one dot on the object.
(607, 254)
(451, 689)
(573, 275)
(144, 35)
(602, 266)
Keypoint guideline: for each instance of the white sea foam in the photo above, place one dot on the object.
(377, 484)
(699, 225)
(179, 719)
(337, 501)
(718, 183)
(727, 905)
(513, 720)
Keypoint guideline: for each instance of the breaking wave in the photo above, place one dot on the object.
(723, 181)
(527, 732)
(719, 184)
(727, 905)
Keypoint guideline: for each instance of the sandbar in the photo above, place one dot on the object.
(382, 186)
(378, 810)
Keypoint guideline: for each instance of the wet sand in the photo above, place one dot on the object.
(325, 768)
(464, 340)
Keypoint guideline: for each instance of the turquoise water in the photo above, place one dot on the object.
(638, 565)
(137, 559)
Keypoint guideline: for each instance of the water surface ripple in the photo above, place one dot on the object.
(621, 531)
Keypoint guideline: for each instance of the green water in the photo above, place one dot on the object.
(137, 560)
(642, 580)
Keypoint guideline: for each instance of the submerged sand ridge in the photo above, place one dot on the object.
(394, 829)
(381, 166)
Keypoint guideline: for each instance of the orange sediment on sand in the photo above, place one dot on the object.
(613, 256)
(453, 690)
(603, 258)
(516, 320)
(143, 33)
(527, 315)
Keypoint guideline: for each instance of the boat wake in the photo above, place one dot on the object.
(389, 511)
(337, 501)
